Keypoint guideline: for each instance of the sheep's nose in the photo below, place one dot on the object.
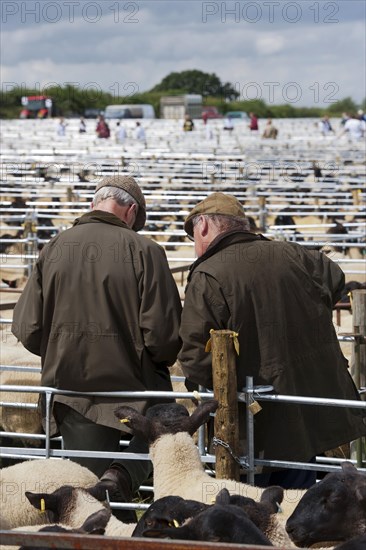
(295, 532)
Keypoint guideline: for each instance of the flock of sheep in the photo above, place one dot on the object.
(53, 495)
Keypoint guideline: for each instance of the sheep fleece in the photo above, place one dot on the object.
(40, 476)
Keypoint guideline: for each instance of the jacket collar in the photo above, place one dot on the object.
(223, 241)
(96, 216)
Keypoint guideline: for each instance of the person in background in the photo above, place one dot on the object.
(82, 126)
(102, 310)
(120, 133)
(228, 124)
(278, 296)
(188, 125)
(102, 129)
(140, 134)
(354, 127)
(61, 128)
(345, 117)
(253, 124)
(361, 115)
(325, 126)
(270, 131)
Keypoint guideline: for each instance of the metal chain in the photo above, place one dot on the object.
(242, 462)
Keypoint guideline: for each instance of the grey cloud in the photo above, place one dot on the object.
(171, 36)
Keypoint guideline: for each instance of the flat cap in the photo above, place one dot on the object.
(216, 203)
(130, 185)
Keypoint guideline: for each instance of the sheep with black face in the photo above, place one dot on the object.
(333, 510)
(178, 469)
(217, 523)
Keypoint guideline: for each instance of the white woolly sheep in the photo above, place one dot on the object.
(72, 506)
(333, 510)
(95, 524)
(43, 475)
(22, 419)
(178, 469)
(4, 524)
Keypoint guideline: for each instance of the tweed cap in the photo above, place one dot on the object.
(130, 185)
(216, 203)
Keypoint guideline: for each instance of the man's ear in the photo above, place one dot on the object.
(202, 226)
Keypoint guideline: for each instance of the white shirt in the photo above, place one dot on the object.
(121, 134)
(355, 127)
(140, 133)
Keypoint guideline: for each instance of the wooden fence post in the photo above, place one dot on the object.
(358, 370)
(225, 391)
(359, 327)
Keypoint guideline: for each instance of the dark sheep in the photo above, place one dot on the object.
(178, 468)
(284, 219)
(260, 513)
(218, 523)
(95, 524)
(333, 510)
(356, 543)
(167, 512)
(167, 418)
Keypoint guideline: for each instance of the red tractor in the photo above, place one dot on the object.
(36, 106)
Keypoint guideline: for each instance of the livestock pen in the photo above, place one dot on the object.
(48, 181)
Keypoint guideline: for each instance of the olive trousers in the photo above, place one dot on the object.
(80, 433)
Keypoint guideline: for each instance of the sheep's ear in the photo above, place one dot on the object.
(96, 523)
(202, 414)
(348, 468)
(42, 501)
(223, 497)
(361, 490)
(139, 424)
(274, 496)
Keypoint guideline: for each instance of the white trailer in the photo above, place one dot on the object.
(129, 111)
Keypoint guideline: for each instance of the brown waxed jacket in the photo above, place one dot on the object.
(278, 296)
(102, 310)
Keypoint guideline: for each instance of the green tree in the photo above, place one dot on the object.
(346, 105)
(196, 82)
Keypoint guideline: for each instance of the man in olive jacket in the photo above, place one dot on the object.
(102, 310)
(278, 296)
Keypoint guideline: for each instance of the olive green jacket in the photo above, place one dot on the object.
(278, 296)
(102, 310)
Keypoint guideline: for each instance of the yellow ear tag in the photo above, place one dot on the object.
(43, 506)
(175, 523)
(124, 420)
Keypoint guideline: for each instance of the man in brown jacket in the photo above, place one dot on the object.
(278, 296)
(102, 310)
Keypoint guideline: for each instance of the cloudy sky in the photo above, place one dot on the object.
(308, 52)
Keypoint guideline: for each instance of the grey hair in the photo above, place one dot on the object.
(224, 223)
(119, 195)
